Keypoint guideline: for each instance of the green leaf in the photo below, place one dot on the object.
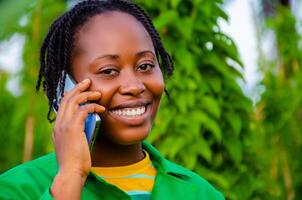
(211, 105)
(165, 18)
(217, 63)
(174, 3)
(189, 158)
(203, 149)
(186, 32)
(178, 144)
(213, 176)
(235, 121)
(185, 59)
(234, 148)
(211, 125)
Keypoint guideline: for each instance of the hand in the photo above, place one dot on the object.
(71, 146)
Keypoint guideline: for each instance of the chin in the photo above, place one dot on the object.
(127, 136)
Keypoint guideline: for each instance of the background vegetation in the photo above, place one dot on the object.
(247, 151)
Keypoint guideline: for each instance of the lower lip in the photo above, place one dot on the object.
(133, 120)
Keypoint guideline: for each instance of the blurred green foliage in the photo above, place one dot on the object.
(278, 117)
(208, 126)
(25, 132)
(205, 125)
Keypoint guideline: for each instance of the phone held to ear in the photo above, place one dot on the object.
(92, 122)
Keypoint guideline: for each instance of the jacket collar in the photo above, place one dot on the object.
(170, 181)
(162, 164)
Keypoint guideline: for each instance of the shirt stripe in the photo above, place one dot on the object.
(136, 180)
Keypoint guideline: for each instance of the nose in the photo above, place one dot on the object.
(132, 86)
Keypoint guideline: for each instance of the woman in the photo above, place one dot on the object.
(112, 50)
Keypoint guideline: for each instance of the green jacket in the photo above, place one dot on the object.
(33, 179)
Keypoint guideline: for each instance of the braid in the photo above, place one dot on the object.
(147, 22)
(56, 48)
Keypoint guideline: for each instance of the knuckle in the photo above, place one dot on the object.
(78, 88)
(85, 98)
(81, 108)
(82, 114)
(66, 129)
(67, 101)
(91, 107)
(73, 100)
(59, 128)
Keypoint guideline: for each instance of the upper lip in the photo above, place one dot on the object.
(131, 104)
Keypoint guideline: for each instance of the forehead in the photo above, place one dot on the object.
(113, 31)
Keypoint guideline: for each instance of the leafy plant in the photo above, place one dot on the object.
(25, 133)
(279, 112)
(205, 126)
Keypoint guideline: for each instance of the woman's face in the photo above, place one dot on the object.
(116, 52)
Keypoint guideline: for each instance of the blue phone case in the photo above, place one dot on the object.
(93, 120)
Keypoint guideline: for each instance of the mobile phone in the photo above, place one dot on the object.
(92, 122)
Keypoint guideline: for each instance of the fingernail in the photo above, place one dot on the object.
(86, 80)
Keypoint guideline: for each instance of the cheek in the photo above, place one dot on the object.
(156, 85)
(157, 89)
(107, 90)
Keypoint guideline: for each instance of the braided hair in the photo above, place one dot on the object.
(56, 48)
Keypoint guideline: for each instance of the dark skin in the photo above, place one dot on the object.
(122, 74)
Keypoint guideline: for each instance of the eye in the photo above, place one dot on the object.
(145, 67)
(108, 72)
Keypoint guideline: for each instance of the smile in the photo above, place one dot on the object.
(132, 116)
(130, 112)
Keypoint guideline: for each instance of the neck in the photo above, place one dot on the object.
(105, 153)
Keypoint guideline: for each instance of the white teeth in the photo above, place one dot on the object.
(130, 112)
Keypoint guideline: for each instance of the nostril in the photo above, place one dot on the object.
(133, 89)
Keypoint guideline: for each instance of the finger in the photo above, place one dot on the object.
(85, 110)
(73, 104)
(80, 87)
(84, 97)
(92, 108)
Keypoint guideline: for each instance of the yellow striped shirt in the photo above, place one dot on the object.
(136, 179)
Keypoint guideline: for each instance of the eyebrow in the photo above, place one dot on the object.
(140, 54)
(116, 57)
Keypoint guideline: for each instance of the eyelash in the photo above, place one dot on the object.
(147, 64)
(112, 69)
(106, 70)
